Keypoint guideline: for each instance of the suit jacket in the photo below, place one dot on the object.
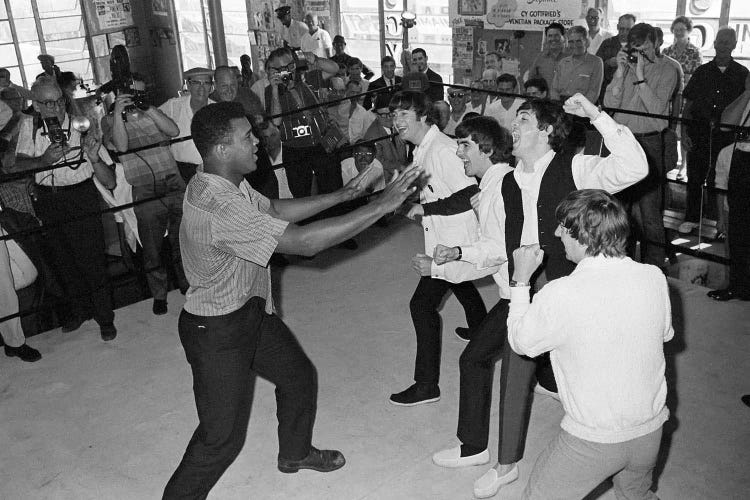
(379, 83)
(390, 152)
(435, 91)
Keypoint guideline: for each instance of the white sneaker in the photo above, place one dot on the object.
(545, 392)
(687, 227)
(452, 458)
(488, 485)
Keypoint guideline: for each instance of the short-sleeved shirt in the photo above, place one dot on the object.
(294, 33)
(146, 166)
(690, 58)
(226, 239)
(317, 43)
(33, 143)
(179, 110)
(711, 90)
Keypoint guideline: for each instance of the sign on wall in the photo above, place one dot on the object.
(112, 14)
(527, 15)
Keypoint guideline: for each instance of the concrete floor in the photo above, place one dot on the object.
(95, 420)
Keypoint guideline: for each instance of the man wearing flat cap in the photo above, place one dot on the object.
(200, 83)
(291, 31)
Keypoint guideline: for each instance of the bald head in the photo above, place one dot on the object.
(725, 42)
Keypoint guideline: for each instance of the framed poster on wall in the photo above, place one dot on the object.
(472, 7)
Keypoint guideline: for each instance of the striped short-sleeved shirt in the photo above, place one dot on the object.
(226, 240)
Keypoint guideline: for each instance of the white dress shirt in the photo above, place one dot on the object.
(317, 43)
(179, 110)
(294, 33)
(35, 147)
(604, 326)
(284, 192)
(375, 179)
(625, 166)
(489, 249)
(450, 129)
(595, 42)
(436, 155)
(505, 117)
(359, 121)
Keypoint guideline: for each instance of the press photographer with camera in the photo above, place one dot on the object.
(646, 83)
(305, 133)
(64, 197)
(134, 123)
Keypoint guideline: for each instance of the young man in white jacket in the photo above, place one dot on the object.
(435, 153)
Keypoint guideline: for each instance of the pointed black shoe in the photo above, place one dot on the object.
(417, 394)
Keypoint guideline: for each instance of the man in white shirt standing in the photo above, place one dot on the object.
(604, 326)
(444, 177)
(359, 118)
(316, 40)
(504, 108)
(291, 31)
(596, 34)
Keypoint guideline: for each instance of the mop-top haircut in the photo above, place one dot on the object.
(597, 220)
(489, 135)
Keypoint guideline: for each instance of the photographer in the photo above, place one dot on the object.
(646, 83)
(67, 202)
(152, 172)
(302, 133)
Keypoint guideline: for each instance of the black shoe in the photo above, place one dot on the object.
(746, 399)
(463, 333)
(349, 244)
(72, 324)
(26, 353)
(417, 394)
(726, 294)
(108, 332)
(159, 307)
(318, 460)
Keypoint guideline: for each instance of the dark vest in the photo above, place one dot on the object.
(557, 182)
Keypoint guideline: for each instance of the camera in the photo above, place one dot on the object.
(300, 61)
(301, 131)
(139, 99)
(54, 131)
(632, 55)
(286, 77)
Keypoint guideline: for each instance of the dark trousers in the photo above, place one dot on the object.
(76, 247)
(645, 201)
(700, 168)
(154, 219)
(424, 314)
(225, 352)
(302, 163)
(739, 227)
(488, 343)
(477, 365)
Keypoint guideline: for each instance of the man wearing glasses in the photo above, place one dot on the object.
(64, 196)
(390, 151)
(181, 109)
(457, 99)
(302, 133)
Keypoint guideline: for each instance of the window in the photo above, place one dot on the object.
(58, 29)
(235, 30)
(194, 27)
(739, 19)
(360, 26)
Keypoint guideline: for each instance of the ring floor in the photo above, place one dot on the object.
(96, 420)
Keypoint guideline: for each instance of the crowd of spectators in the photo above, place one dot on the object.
(317, 129)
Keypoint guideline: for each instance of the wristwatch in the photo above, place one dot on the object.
(515, 283)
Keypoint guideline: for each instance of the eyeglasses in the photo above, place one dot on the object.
(278, 69)
(53, 103)
(387, 114)
(456, 94)
(363, 155)
(198, 83)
